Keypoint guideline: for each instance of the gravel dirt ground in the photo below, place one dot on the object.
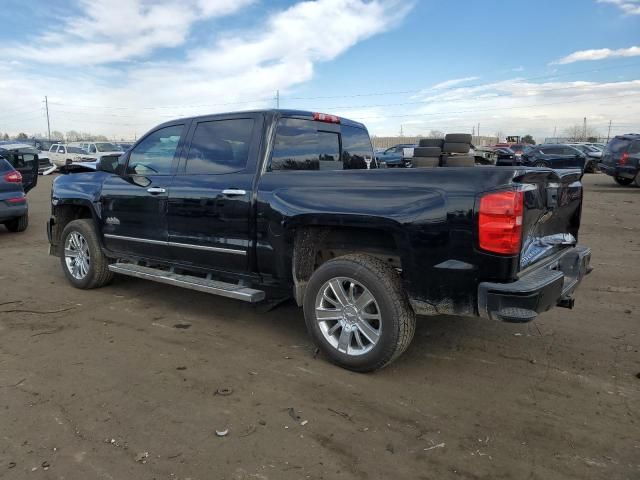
(121, 382)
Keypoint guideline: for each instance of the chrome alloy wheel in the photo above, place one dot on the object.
(76, 255)
(348, 316)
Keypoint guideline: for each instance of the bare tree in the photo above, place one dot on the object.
(577, 133)
(435, 134)
(73, 136)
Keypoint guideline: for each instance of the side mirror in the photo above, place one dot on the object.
(107, 164)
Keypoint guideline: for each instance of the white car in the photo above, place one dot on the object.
(98, 149)
(61, 155)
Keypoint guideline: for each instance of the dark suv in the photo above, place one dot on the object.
(621, 159)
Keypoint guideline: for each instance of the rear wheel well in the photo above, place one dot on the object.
(63, 215)
(314, 246)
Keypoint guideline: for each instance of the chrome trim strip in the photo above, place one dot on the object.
(209, 249)
(176, 244)
(133, 239)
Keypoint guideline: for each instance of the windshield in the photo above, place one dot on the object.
(108, 147)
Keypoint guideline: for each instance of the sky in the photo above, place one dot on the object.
(515, 67)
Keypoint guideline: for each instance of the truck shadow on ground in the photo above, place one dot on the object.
(285, 325)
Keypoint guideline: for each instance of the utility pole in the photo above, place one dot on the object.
(584, 130)
(401, 131)
(554, 134)
(609, 132)
(277, 98)
(478, 129)
(46, 104)
(473, 131)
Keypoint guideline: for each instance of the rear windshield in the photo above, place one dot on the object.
(309, 145)
(618, 145)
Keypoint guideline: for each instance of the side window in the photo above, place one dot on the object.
(92, 148)
(154, 155)
(356, 146)
(61, 149)
(551, 151)
(53, 148)
(301, 145)
(220, 146)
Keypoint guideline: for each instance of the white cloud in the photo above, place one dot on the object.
(109, 31)
(598, 54)
(518, 107)
(629, 7)
(452, 82)
(243, 66)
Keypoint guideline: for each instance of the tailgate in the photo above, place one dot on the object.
(552, 210)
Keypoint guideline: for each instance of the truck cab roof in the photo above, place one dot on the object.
(303, 114)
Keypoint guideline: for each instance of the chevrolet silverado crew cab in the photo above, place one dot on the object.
(271, 204)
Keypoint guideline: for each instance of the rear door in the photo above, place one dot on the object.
(210, 199)
(24, 160)
(134, 203)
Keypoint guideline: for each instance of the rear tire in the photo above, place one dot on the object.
(19, 224)
(372, 323)
(83, 262)
(623, 181)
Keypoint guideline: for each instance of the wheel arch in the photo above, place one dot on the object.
(67, 210)
(314, 245)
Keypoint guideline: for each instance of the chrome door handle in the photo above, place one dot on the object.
(156, 190)
(233, 191)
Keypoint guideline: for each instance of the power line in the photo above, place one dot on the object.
(371, 94)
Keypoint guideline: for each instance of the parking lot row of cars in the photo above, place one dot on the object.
(572, 155)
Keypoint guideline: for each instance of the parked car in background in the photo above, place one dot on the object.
(554, 156)
(621, 159)
(14, 210)
(394, 156)
(98, 149)
(61, 155)
(504, 156)
(24, 158)
(593, 155)
(124, 146)
(519, 148)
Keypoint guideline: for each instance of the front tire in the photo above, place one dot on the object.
(623, 181)
(357, 312)
(83, 262)
(19, 224)
(540, 164)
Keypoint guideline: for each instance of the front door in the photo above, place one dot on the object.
(134, 203)
(210, 197)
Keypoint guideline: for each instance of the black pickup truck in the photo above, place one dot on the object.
(270, 204)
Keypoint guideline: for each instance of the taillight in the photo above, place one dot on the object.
(624, 159)
(324, 117)
(13, 177)
(17, 200)
(500, 221)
